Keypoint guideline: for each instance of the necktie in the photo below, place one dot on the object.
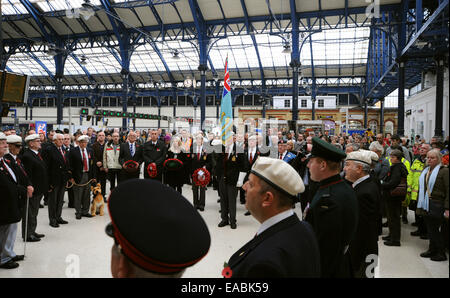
(39, 155)
(132, 149)
(198, 153)
(281, 156)
(20, 166)
(85, 164)
(251, 157)
(62, 153)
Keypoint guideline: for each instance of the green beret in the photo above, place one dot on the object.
(326, 150)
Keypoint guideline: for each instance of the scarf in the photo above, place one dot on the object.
(423, 201)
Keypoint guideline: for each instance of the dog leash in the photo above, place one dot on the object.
(80, 185)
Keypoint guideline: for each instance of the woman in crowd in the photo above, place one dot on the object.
(174, 165)
(394, 194)
(433, 203)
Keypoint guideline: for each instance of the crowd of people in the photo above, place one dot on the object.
(350, 183)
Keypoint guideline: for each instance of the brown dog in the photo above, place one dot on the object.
(98, 202)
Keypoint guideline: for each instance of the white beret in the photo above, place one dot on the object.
(373, 156)
(2, 136)
(278, 174)
(83, 138)
(32, 137)
(359, 156)
(216, 142)
(11, 139)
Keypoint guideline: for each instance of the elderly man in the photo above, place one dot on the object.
(283, 246)
(357, 171)
(37, 170)
(58, 171)
(300, 144)
(9, 203)
(82, 168)
(335, 228)
(7, 254)
(98, 148)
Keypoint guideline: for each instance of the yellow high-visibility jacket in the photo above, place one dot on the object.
(416, 169)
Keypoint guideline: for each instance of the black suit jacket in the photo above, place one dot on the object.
(76, 164)
(125, 153)
(58, 167)
(9, 198)
(37, 171)
(230, 167)
(154, 154)
(247, 164)
(365, 241)
(286, 249)
(204, 161)
(23, 181)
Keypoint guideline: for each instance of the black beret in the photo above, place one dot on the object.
(156, 227)
(326, 150)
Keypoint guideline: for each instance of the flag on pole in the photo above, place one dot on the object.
(226, 114)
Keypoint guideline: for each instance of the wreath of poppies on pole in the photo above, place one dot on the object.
(201, 179)
(152, 170)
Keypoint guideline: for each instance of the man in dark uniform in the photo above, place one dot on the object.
(365, 243)
(143, 247)
(58, 172)
(67, 146)
(333, 211)
(154, 151)
(283, 246)
(9, 203)
(229, 164)
(98, 149)
(130, 151)
(38, 173)
(25, 189)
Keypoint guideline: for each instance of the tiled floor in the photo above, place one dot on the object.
(84, 242)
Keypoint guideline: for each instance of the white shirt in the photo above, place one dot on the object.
(252, 153)
(229, 150)
(360, 180)
(5, 163)
(199, 149)
(282, 155)
(35, 152)
(274, 220)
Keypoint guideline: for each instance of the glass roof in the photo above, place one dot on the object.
(13, 7)
(55, 5)
(23, 63)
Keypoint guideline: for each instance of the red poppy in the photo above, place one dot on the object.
(227, 272)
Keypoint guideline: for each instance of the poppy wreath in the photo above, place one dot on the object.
(131, 166)
(173, 164)
(201, 180)
(152, 170)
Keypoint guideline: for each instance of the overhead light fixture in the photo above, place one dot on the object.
(393, 73)
(420, 44)
(83, 60)
(87, 10)
(72, 13)
(51, 50)
(383, 83)
(286, 49)
(175, 55)
(375, 91)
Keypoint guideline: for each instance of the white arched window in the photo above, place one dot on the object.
(373, 126)
(389, 127)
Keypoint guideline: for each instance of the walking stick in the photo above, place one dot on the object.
(26, 227)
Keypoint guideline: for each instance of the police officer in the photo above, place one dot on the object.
(143, 247)
(333, 211)
(283, 246)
